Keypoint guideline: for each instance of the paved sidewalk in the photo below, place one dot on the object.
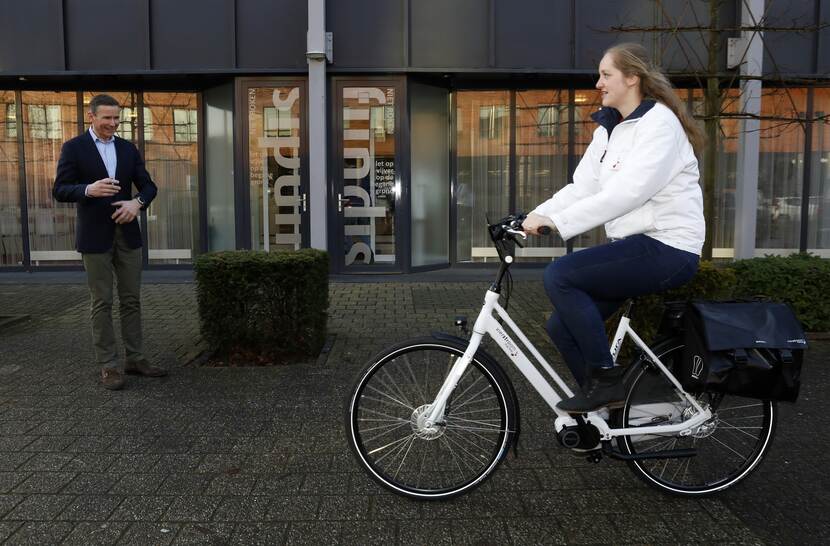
(258, 455)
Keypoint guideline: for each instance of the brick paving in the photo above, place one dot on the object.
(259, 456)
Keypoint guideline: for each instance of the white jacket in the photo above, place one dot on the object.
(644, 179)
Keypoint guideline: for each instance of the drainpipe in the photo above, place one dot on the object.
(749, 138)
(317, 156)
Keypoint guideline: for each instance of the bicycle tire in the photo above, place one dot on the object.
(395, 389)
(729, 446)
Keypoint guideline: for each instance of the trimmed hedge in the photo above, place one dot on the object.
(272, 304)
(801, 280)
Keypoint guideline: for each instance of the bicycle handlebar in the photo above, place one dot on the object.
(511, 226)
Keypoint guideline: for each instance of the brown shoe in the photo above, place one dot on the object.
(142, 367)
(112, 379)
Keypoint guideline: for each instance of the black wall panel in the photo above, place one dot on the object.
(533, 34)
(126, 36)
(789, 52)
(824, 38)
(686, 52)
(31, 36)
(192, 34)
(367, 33)
(603, 23)
(448, 34)
(271, 34)
(594, 20)
(103, 36)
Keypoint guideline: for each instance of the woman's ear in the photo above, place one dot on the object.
(632, 81)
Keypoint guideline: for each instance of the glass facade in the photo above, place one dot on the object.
(274, 166)
(46, 119)
(538, 120)
(49, 118)
(172, 159)
(370, 177)
(542, 123)
(780, 170)
(11, 236)
(511, 150)
(818, 225)
(483, 169)
(430, 190)
(586, 102)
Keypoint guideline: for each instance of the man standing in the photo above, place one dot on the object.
(97, 171)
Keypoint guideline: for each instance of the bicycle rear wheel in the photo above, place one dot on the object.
(386, 413)
(729, 446)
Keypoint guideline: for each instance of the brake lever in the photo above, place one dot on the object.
(517, 232)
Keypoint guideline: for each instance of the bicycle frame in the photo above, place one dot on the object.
(487, 324)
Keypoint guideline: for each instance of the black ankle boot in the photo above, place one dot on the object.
(604, 388)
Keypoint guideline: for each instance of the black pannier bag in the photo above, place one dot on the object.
(751, 349)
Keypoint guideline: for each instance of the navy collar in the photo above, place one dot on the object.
(611, 117)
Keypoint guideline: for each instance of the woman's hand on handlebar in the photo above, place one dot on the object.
(536, 224)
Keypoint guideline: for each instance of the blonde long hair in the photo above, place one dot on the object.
(633, 60)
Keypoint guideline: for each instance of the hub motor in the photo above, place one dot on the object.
(419, 426)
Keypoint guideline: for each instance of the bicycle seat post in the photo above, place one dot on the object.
(628, 306)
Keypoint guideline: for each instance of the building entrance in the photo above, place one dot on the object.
(367, 175)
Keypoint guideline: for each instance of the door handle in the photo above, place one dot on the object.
(342, 201)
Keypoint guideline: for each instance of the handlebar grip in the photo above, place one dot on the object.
(544, 230)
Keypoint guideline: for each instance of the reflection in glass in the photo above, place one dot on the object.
(370, 179)
(49, 118)
(483, 163)
(172, 159)
(541, 160)
(780, 170)
(587, 101)
(11, 237)
(274, 167)
(818, 232)
(722, 217)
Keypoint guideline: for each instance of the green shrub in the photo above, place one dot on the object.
(801, 280)
(271, 304)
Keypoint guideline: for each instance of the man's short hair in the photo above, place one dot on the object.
(102, 100)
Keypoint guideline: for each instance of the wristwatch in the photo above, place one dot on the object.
(140, 201)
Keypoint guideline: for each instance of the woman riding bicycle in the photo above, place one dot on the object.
(639, 177)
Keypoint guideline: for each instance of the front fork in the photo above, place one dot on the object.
(439, 405)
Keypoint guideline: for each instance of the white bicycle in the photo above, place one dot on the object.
(432, 418)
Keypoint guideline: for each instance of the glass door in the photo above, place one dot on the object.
(367, 175)
(274, 144)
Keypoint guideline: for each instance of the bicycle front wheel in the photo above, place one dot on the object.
(729, 446)
(387, 429)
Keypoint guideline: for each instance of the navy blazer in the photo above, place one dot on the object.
(80, 164)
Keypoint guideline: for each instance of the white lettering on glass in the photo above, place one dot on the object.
(286, 187)
(360, 236)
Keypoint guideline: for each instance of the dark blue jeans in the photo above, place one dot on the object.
(588, 286)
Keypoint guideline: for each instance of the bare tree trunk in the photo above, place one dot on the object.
(712, 102)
